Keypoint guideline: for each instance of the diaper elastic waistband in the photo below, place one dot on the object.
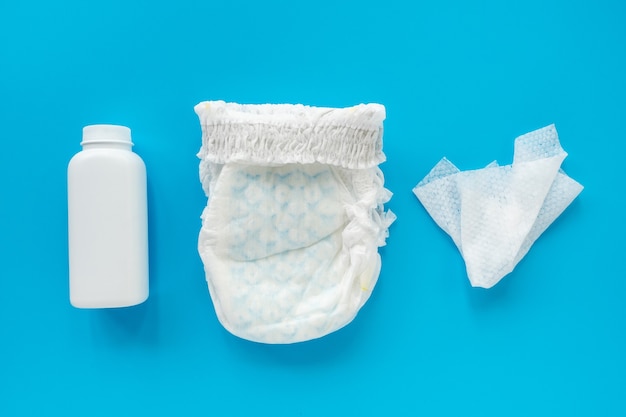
(270, 134)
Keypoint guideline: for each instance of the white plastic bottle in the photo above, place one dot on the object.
(107, 221)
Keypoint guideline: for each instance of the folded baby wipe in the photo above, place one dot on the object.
(495, 214)
(294, 217)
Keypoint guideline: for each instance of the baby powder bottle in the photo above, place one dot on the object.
(107, 221)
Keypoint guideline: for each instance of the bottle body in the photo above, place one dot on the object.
(107, 225)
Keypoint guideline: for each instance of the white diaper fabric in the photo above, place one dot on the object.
(294, 218)
(495, 214)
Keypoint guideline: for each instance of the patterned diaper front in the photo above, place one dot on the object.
(294, 217)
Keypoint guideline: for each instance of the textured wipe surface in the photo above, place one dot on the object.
(494, 214)
(290, 246)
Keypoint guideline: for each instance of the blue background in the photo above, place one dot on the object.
(458, 79)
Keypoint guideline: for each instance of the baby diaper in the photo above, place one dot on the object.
(294, 216)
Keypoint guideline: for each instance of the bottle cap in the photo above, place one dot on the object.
(106, 134)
